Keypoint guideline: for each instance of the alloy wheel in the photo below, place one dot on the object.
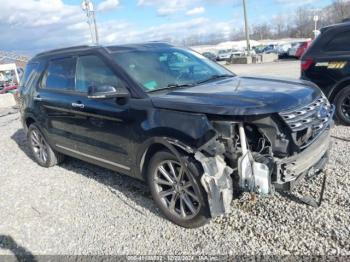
(345, 107)
(39, 145)
(176, 190)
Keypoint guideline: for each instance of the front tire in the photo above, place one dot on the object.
(43, 154)
(342, 103)
(178, 194)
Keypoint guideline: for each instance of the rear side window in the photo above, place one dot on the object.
(60, 74)
(339, 43)
(30, 74)
(92, 71)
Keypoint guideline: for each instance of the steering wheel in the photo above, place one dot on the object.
(185, 74)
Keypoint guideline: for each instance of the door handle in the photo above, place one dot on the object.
(38, 98)
(78, 105)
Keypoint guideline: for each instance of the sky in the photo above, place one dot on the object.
(32, 26)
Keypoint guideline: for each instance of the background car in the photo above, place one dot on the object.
(259, 49)
(327, 63)
(210, 55)
(224, 55)
(298, 49)
(293, 50)
(302, 48)
(271, 49)
(283, 49)
(239, 52)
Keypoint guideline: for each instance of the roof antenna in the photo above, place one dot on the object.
(88, 8)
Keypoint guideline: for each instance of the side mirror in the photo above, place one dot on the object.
(104, 92)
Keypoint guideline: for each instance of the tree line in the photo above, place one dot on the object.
(299, 24)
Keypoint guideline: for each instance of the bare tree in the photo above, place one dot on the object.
(303, 23)
(341, 9)
(299, 24)
(262, 31)
(280, 26)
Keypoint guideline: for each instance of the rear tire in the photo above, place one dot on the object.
(179, 195)
(43, 153)
(342, 103)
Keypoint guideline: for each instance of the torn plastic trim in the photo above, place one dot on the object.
(181, 145)
(171, 144)
(217, 182)
(216, 179)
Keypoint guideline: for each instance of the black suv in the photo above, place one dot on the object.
(193, 130)
(327, 63)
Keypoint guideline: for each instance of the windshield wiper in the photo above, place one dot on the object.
(179, 85)
(171, 86)
(214, 77)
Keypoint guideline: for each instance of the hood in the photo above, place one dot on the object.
(240, 96)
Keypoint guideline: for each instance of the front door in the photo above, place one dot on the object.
(102, 125)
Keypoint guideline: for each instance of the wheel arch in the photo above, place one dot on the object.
(156, 144)
(29, 120)
(337, 88)
(178, 131)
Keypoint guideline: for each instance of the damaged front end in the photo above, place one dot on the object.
(261, 155)
(229, 165)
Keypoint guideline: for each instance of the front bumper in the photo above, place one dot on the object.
(310, 161)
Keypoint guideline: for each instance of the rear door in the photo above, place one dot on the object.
(54, 99)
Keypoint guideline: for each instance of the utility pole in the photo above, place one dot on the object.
(246, 27)
(316, 20)
(88, 8)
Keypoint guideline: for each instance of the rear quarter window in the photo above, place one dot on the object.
(340, 43)
(30, 75)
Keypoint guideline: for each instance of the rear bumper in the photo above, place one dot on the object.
(312, 160)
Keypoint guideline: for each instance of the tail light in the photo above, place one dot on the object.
(306, 64)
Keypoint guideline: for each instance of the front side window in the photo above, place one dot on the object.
(92, 71)
(60, 74)
(161, 68)
(339, 43)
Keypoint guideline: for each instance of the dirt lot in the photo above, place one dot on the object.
(78, 208)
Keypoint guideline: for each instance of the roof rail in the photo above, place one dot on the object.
(72, 48)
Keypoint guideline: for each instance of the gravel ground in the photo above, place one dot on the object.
(77, 208)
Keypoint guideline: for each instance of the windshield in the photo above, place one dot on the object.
(168, 68)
